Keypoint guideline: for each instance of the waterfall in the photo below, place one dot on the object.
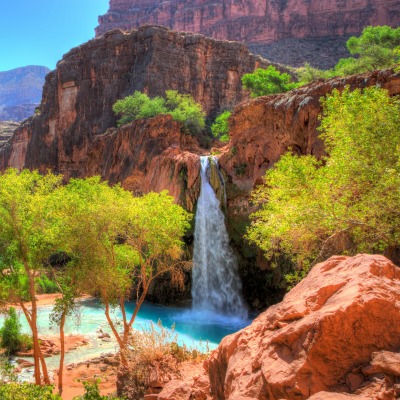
(216, 286)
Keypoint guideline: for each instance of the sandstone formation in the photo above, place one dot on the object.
(21, 91)
(261, 22)
(70, 135)
(336, 331)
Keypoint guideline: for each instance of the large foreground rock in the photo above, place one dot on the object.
(321, 337)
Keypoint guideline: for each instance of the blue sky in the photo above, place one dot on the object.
(39, 32)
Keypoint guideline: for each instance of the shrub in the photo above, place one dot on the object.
(267, 81)
(92, 392)
(46, 285)
(153, 346)
(308, 74)
(182, 107)
(27, 391)
(220, 127)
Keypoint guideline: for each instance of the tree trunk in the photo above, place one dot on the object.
(121, 344)
(37, 353)
(62, 355)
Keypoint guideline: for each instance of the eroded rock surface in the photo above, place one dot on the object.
(6, 130)
(320, 338)
(261, 22)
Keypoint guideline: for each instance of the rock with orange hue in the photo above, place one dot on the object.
(265, 22)
(264, 128)
(148, 155)
(327, 327)
(76, 109)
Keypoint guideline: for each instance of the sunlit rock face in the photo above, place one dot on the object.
(266, 22)
(323, 337)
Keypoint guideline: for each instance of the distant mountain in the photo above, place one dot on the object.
(285, 31)
(21, 92)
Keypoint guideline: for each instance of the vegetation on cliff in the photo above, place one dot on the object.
(263, 82)
(220, 127)
(348, 201)
(376, 48)
(182, 107)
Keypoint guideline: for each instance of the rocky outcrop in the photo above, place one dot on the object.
(255, 21)
(71, 135)
(336, 331)
(7, 128)
(262, 129)
(21, 91)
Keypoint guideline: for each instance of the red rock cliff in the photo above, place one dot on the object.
(76, 108)
(262, 21)
(253, 20)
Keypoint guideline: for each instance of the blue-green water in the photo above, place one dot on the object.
(201, 330)
(191, 327)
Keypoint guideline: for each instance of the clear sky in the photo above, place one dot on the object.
(39, 32)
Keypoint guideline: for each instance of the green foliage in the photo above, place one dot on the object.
(11, 337)
(263, 82)
(92, 392)
(220, 127)
(46, 285)
(308, 74)
(30, 230)
(346, 203)
(378, 47)
(27, 391)
(182, 107)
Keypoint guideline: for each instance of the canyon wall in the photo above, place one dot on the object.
(76, 109)
(21, 91)
(261, 22)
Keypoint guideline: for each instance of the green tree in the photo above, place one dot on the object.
(220, 127)
(263, 82)
(378, 47)
(119, 242)
(345, 203)
(29, 234)
(11, 332)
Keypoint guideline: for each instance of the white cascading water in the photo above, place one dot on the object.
(216, 286)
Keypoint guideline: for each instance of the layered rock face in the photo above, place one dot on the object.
(337, 330)
(70, 135)
(21, 91)
(250, 21)
(7, 128)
